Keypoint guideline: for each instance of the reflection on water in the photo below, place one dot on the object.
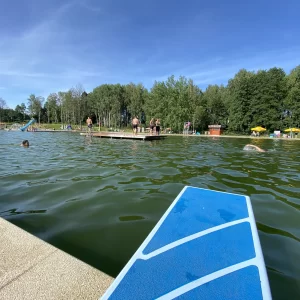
(15, 211)
(99, 198)
(131, 218)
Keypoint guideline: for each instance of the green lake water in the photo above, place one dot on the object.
(97, 199)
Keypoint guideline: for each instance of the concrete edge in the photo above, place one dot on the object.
(33, 269)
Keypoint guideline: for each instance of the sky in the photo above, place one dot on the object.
(51, 46)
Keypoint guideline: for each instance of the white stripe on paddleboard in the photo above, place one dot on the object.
(198, 282)
(190, 238)
(259, 255)
(220, 192)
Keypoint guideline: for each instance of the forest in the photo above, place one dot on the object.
(268, 98)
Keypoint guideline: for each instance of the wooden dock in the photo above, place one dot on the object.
(118, 135)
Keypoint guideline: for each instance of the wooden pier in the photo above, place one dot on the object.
(128, 136)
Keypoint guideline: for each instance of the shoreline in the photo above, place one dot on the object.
(170, 134)
(234, 136)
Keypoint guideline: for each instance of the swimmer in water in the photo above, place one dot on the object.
(250, 147)
(25, 143)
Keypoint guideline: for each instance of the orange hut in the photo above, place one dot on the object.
(215, 129)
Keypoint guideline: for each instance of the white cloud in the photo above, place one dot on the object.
(53, 56)
(44, 58)
(219, 70)
(95, 9)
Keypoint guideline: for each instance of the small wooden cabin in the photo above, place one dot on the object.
(215, 129)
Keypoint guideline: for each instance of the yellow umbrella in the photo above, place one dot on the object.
(292, 129)
(258, 129)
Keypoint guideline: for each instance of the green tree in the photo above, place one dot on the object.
(107, 103)
(35, 105)
(134, 99)
(292, 101)
(269, 93)
(52, 108)
(23, 110)
(240, 89)
(267, 98)
(215, 99)
(157, 105)
(2, 106)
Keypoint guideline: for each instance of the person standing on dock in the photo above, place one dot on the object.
(89, 123)
(157, 128)
(135, 124)
(151, 125)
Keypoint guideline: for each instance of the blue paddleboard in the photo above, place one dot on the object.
(205, 246)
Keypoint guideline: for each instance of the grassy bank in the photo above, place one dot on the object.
(54, 126)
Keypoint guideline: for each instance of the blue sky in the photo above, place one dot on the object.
(50, 46)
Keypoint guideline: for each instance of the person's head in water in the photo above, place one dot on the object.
(250, 147)
(25, 143)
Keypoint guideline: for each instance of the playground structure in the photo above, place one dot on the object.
(16, 126)
(186, 127)
(23, 128)
(13, 127)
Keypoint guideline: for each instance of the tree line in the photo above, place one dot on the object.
(268, 98)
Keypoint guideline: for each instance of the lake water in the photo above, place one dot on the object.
(97, 199)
